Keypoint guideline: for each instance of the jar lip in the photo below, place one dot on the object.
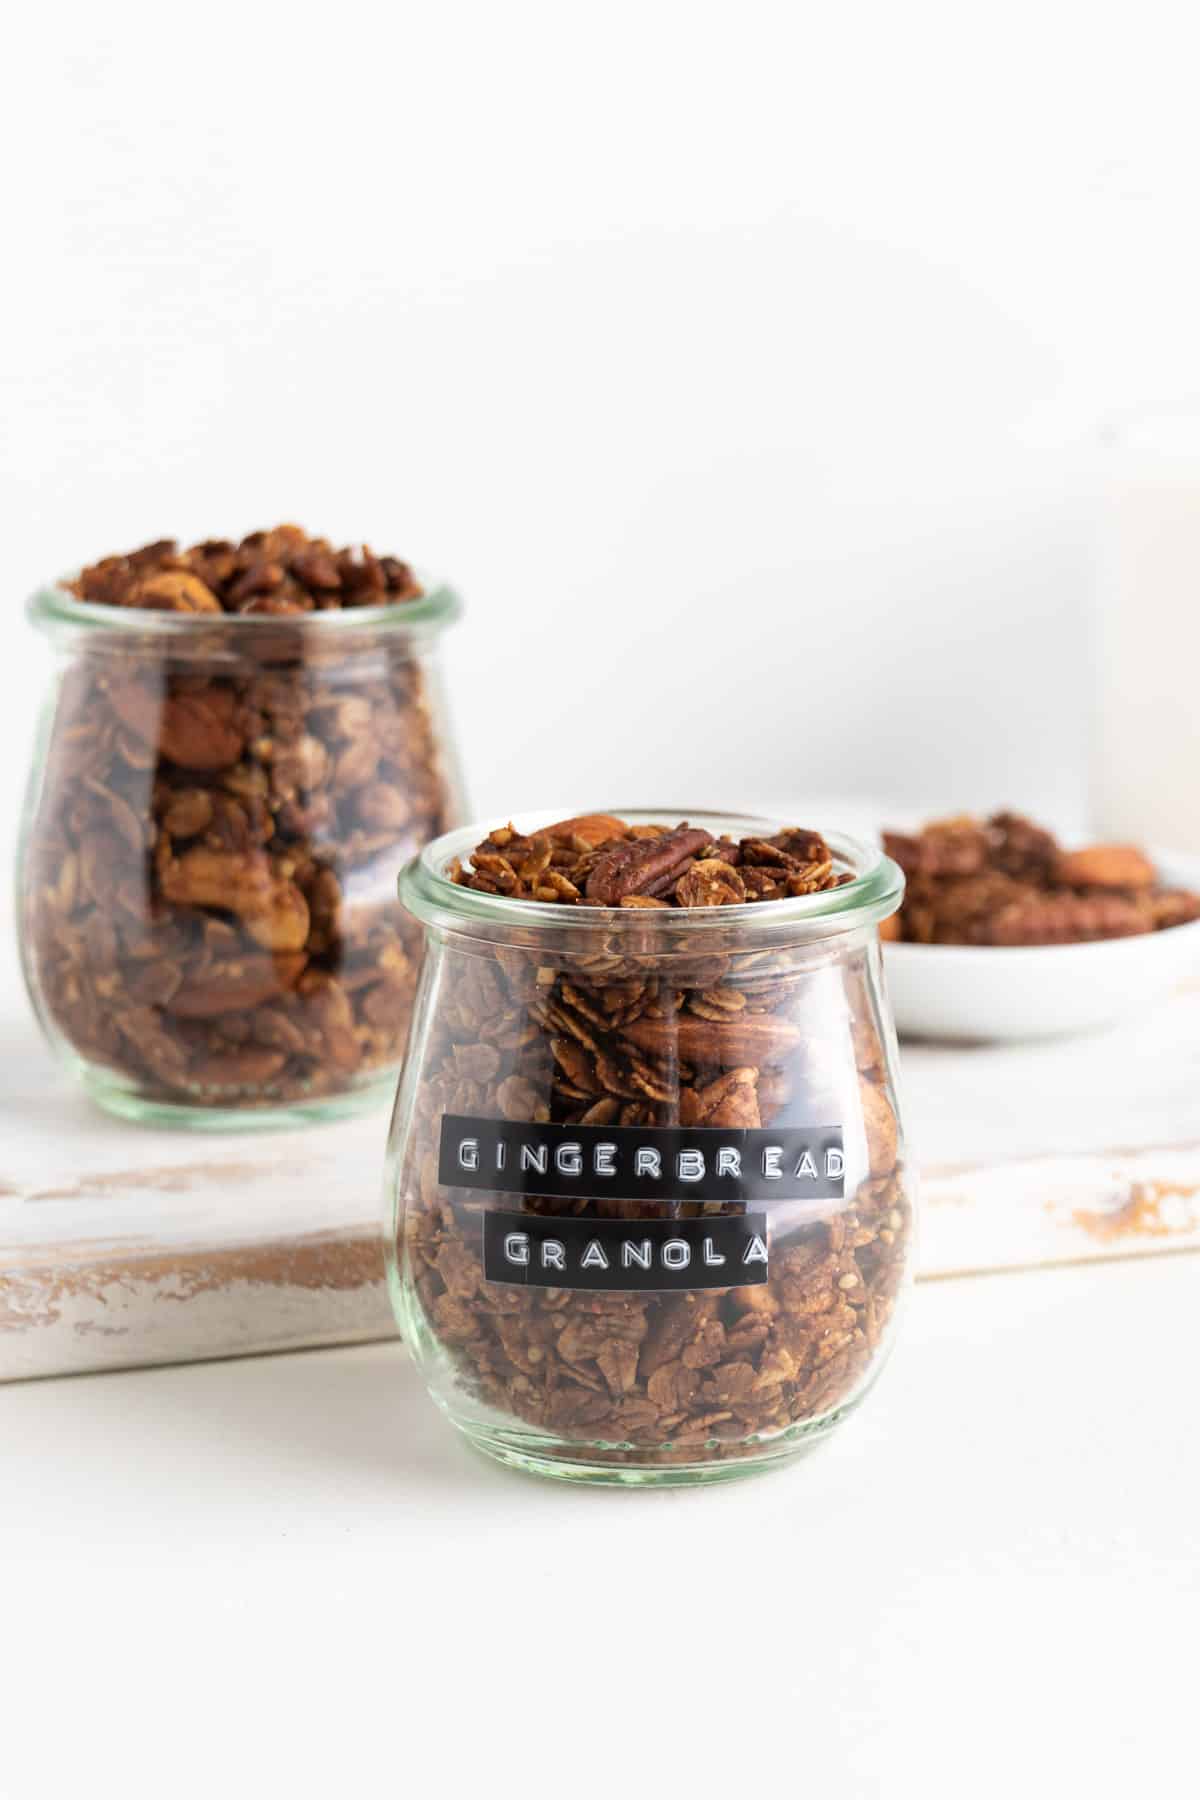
(875, 892)
(55, 610)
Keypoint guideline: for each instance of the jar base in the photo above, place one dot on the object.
(777, 1453)
(125, 1103)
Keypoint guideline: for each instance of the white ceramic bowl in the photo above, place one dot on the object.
(1052, 990)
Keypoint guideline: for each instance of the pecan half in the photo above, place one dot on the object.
(753, 1038)
(644, 866)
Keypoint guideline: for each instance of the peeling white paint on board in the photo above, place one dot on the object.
(122, 1246)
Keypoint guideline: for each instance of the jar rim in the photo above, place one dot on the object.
(874, 893)
(53, 609)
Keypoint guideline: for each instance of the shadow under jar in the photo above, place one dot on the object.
(219, 803)
(648, 1211)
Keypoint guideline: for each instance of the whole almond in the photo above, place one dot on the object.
(593, 828)
(1105, 865)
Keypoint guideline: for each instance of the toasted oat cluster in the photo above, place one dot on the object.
(1006, 881)
(637, 1035)
(275, 572)
(208, 890)
(599, 860)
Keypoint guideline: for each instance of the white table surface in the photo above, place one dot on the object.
(287, 1576)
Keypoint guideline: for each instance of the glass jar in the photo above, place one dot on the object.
(208, 923)
(649, 1216)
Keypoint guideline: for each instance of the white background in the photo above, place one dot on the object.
(744, 366)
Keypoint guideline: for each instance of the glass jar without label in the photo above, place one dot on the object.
(648, 1213)
(207, 912)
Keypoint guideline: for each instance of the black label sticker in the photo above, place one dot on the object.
(659, 1255)
(651, 1162)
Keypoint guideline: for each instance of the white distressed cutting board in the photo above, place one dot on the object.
(120, 1245)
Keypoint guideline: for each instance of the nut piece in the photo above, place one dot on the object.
(177, 591)
(1105, 865)
(644, 865)
(197, 731)
(273, 908)
(753, 1038)
(236, 985)
(593, 828)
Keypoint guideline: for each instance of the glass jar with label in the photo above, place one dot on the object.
(649, 1213)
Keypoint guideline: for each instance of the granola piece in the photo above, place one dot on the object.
(881, 1128)
(326, 1007)
(730, 1100)
(598, 860)
(233, 984)
(1173, 906)
(518, 1099)
(673, 1386)
(763, 883)
(1022, 849)
(680, 1322)
(280, 571)
(644, 866)
(617, 1361)
(175, 591)
(187, 813)
(794, 845)
(710, 882)
(958, 909)
(200, 731)
(273, 909)
(1105, 866)
(1063, 918)
(592, 829)
(957, 846)
(477, 1062)
(384, 807)
(252, 1067)
(745, 1039)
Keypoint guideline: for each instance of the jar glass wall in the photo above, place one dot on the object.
(206, 907)
(648, 1214)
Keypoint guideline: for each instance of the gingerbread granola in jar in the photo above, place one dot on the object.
(649, 1212)
(242, 744)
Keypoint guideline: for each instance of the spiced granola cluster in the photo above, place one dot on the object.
(642, 1029)
(208, 885)
(1006, 881)
(278, 572)
(599, 860)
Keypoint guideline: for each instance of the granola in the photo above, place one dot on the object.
(208, 880)
(625, 1029)
(1006, 881)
